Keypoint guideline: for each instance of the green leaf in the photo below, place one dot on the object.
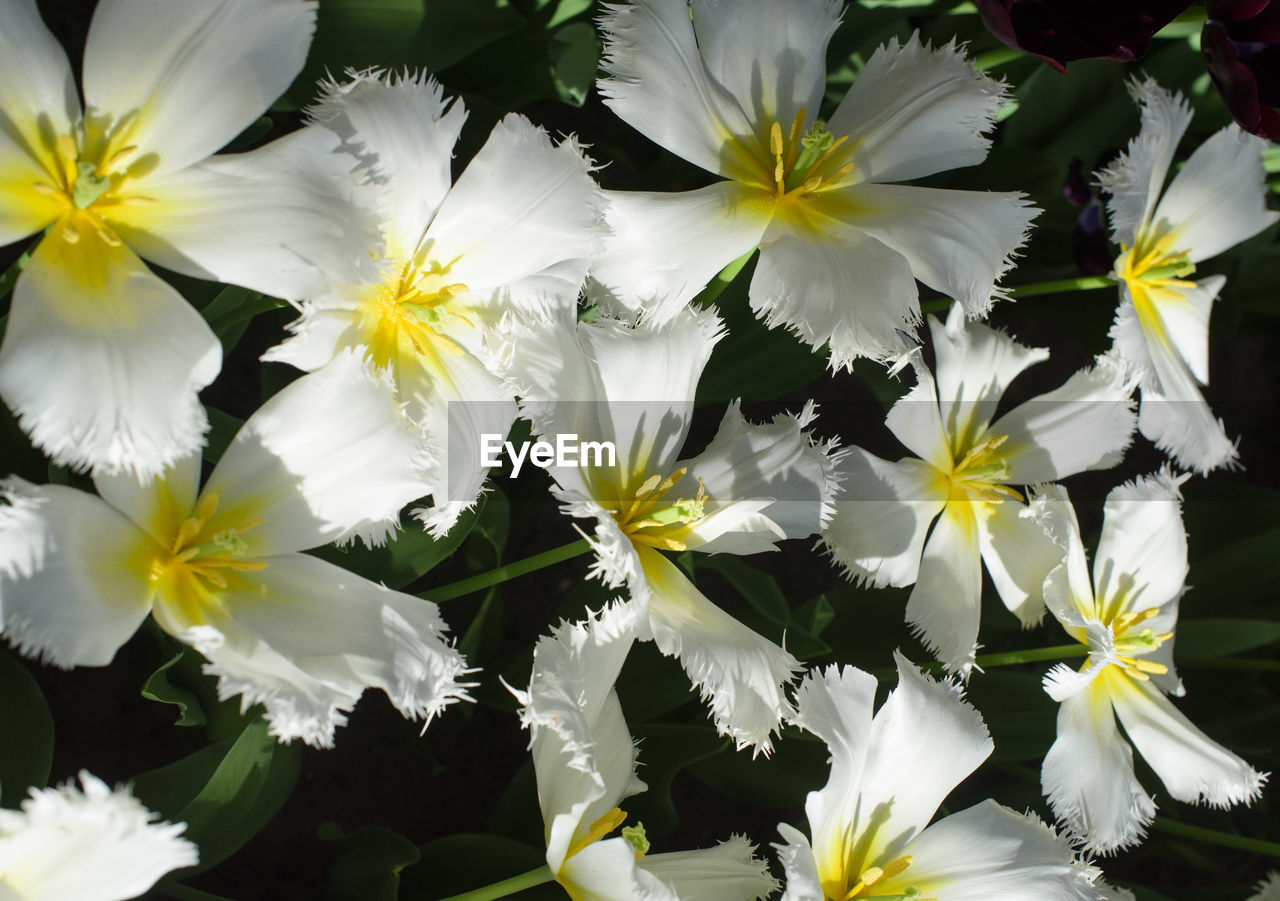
(796, 768)
(232, 789)
(398, 34)
(1209, 639)
(26, 754)
(368, 864)
(466, 861)
(574, 53)
(410, 554)
(231, 310)
(665, 750)
(160, 687)
(759, 589)
(222, 429)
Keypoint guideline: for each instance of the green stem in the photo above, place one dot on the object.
(1214, 837)
(1034, 655)
(507, 886)
(997, 57)
(722, 280)
(1084, 283)
(508, 571)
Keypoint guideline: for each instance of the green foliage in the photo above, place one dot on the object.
(368, 864)
(27, 754)
(226, 792)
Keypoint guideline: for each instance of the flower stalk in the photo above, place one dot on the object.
(506, 886)
(507, 572)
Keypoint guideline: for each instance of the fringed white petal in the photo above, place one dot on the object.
(305, 638)
(779, 462)
(326, 324)
(945, 606)
(608, 871)
(836, 705)
(91, 843)
(102, 360)
(799, 870)
(328, 458)
(1088, 776)
(925, 739)
(1142, 552)
(1087, 423)
(157, 507)
(916, 419)
(1268, 889)
(582, 380)
(844, 289)
(1219, 198)
(36, 86)
(68, 592)
(729, 871)
(662, 249)
(657, 82)
(1018, 556)
(1193, 767)
(917, 110)
(974, 365)
(739, 673)
(192, 74)
(1134, 179)
(583, 756)
(522, 221)
(960, 243)
(401, 129)
(280, 219)
(770, 56)
(882, 516)
(1068, 590)
(991, 853)
(1165, 355)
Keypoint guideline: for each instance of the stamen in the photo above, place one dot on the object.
(116, 158)
(598, 830)
(109, 237)
(70, 234)
(42, 188)
(775, 141)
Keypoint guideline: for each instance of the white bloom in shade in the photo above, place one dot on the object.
(510, 239)
(102, 360)
(869, 832)
(1161, 330)
(1126, 617)
(1268, 889)
(87, 844)
(753, 485)
(962, 482)
(735, 88)
(220, 568)
(585, 764)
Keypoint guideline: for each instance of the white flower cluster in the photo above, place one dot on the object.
(420, 296)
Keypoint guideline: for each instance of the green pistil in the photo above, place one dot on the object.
(1179, 266)
(635, 835)
(89, 185)
(813, 143)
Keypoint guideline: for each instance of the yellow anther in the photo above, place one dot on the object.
(598, 830)
(775, 141)
(981, 450)
(70, 234)
(897, 866)
(454, 290)
(647, 486)
(1150, 666)
(109, 237)
(42, 188)
(117, 158)
(1127, 621)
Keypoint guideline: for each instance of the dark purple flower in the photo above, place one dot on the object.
(1062, 31)
(1241, 45)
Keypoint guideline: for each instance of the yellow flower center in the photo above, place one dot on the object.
(804, 161)
(190, 572)
(1155, 273)
(407, 318)
(86, 174)
(646, 521)
(880, 883)
(979, 473)
(1130, 642)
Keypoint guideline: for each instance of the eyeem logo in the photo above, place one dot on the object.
(567, 451)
